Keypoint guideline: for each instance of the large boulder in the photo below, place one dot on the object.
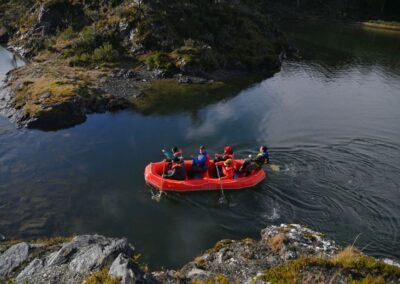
(12, 258)
(56, 15)
(76, 260)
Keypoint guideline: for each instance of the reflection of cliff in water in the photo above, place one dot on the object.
(334, 48)
(166, 97)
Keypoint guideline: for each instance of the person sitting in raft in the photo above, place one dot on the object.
(201, 163)
(177, 170)
(255, 164)
(228, 154)
(174, 153)
(227, 169)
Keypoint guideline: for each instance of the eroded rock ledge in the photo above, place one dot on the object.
(284, 254)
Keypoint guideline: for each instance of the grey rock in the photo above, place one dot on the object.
(77, 259)
(33, 268)
(121, 267)
(195, 273)
(89, 252)
(13, 257)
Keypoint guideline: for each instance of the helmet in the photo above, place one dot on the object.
(228, 162)
(228, 150)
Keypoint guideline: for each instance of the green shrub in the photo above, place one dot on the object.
(159, 60)
(125, 11)
(86, 40)
(105, 53)
(67, 34)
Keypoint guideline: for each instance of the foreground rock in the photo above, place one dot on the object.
(284, 254)
(71, 261)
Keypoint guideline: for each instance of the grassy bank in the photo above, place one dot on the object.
(382, 25)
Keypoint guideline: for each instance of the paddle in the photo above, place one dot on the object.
(157, 197)
(162, 177)
(275, 168)
(222, 199)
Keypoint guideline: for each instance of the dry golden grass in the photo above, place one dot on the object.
(101, 277)
(277, 242)
(383, 25)
(200, 262)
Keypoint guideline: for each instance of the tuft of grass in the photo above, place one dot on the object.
(59, 90)
(277, 242)
(368, 280)
(53, 241)
(348, 262)
(105, 53)
(101, 277)
(200, 262)
(158, 60)
(383, 25)
(45, 241)
(216, 279)
(67, 34)
(220, 245)
(10, 242)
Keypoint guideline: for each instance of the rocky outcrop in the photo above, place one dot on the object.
(71, 262)
(13, 258)
(284, 254)
(245, 259)
(87, 40)
(31, 98)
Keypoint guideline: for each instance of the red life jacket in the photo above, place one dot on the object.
(176, 165)
(229, 171)
(207, 162)
(227, 156)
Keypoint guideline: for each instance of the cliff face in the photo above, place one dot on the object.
(284, 254)
(91, 41)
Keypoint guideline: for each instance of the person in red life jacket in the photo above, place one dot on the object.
(228, 154)
(202, 161)
(227, 169)
(177, 170)
(255, 164)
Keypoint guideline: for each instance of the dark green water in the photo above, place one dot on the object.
(331, 119)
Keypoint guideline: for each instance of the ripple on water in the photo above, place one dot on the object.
(332, 188)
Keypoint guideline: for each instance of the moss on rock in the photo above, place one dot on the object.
(350, 265)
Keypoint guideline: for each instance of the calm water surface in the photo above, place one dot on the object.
(331, 119)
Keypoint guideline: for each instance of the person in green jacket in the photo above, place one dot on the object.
(256, 163)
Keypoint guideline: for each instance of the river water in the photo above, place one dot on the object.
(331, 120)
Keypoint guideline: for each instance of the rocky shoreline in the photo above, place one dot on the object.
(288, 253)
(89, 56)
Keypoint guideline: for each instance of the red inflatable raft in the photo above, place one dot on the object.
(210, 181)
